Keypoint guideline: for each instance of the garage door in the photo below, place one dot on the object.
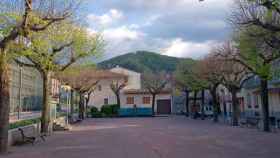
(164, 106)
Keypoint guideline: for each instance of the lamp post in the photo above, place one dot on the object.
(86, 98)
(187, 92)
(67, 90)
(223, 100)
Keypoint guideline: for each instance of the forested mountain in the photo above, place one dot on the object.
(143, 61)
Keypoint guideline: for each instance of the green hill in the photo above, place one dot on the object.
(142, 61)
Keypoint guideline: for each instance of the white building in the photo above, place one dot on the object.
(103, 95)
(133, 96)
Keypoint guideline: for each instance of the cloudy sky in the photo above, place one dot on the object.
(180, 28)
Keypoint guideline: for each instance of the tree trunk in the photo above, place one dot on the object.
(153, 104)
(202, 104)
(265, 105)
(194, 105)
(81, 107)
(72, 110)
(118, 99)
(215, 104)
(234, 107)
(87, 108)
(4, 102)
(45, 126)
(187, 103)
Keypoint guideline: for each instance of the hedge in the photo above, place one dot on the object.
(106, 111)
(24, 123)
(95, 113)
(110, 110)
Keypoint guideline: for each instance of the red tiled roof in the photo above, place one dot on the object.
(143, 91)
(104, 74)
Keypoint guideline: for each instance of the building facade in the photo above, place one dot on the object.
(134, 99)
(253, 102)
(26, 89)
(26, 92)
(103, 94)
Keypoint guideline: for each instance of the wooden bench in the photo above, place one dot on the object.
(30, 139)
(243, 122)
(250, 122)
(253, 122)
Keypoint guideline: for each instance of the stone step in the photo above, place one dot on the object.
(58, 127)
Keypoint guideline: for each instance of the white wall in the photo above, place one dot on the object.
(134, 78)
(97, 97)
(134, 82)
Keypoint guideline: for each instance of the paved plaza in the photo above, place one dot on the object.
(159, 137)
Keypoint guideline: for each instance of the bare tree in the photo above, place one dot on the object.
(83, 80)
(186, 81)
(155, 84)
(116, 87)
(258, 23)
(209, 70)
(234, 75)
(261, 15)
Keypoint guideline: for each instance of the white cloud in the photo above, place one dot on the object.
(150, 21)
(180, 28)
(91, 31)
(169, 5)
(134, 26)
(107, 18)
(147, 22)
(122, 33)
(122, 40)
(180, 48)
(214, 24)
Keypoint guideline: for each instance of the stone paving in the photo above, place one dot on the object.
(159, 137)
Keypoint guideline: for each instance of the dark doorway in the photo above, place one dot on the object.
(164, 106)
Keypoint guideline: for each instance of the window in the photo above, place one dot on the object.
(99, 87)
(106, 101)
(146, 100)
(130, 100)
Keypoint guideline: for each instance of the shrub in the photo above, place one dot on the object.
(93, 109)
(24, 123)
(110, 110)
(106, 110)
(115, 109)
(95, 113)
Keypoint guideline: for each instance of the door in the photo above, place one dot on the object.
(164, 106)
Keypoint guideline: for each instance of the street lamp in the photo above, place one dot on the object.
(67, 89)
(85, 101)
